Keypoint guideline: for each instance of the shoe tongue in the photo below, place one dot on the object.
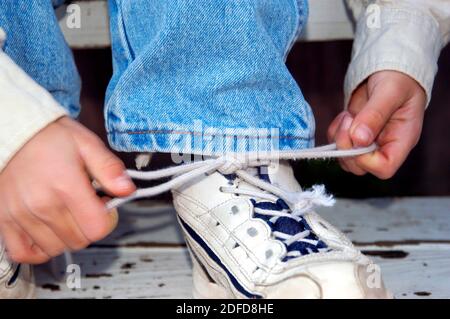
(281, 174)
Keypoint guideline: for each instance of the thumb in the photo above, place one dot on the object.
(113, 216)
(106, 168)
(371, 119)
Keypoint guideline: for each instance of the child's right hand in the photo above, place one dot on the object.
(47, 202)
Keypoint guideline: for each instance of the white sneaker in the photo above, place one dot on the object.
(254, 235)
(246, 242)
(16, 280)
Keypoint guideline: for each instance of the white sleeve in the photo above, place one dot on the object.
(401, 35)
(25, 107)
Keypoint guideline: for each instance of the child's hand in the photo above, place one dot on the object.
(387, 109)
(47, 203)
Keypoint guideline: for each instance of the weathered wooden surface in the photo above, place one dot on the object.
(364, 221)
(146, 258)
(124, 273)
(328, 20)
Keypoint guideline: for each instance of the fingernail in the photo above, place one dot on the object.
(124, 181)
(341, 115)
(346, 122)
(362, 134)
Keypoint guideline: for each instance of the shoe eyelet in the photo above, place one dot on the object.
(234, 210)
(269, 253)
(252, 232)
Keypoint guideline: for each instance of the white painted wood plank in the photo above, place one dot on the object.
(418, 271)
(423, 273)
(123, 273)
(143, 257)
(328, 20)
(423, 219)
(94, 25)
(386, 221)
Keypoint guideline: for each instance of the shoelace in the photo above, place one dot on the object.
(271, 208)
(300, 202)
(280, 212)
(236, 164)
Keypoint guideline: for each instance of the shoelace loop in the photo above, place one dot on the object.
(231, 164)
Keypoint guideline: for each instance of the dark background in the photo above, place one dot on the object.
(319, 68)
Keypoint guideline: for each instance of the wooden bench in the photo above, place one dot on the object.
(145, 257)
(328, 20)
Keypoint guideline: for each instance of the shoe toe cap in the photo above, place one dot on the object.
(333, 280)
(298, 287)
(349, 280)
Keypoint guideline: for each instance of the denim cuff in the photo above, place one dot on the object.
(207, 143)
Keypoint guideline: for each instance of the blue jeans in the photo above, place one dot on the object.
(191, 76)
(35, 42)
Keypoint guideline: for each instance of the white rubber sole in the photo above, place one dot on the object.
(23, 288)
(210, 282)
(203, 288)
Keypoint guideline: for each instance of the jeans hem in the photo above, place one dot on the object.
(199, 143)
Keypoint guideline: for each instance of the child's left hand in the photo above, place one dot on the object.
(388, 108)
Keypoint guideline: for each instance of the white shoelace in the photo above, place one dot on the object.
(300, 202)
(237, 163)
(308, 199)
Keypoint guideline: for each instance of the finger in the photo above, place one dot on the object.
(88, 210)
(391, 154)
(62, 223)
(349, 165)
(40, 233)
(371, 119)
(334, 126)
(343, 165)
(19, 246)
(358, 99)
(105, 167)
(383, 164)
(332, 131)
(114, 214)
(343, 141)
